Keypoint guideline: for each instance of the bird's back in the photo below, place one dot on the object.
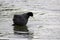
(20, 20)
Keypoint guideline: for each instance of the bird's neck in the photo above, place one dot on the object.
(27, 16)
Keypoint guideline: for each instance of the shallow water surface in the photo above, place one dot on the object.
(44, 26)
(6, 29)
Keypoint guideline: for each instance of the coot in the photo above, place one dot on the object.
(22, 19)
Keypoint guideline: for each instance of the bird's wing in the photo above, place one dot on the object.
(18, 19)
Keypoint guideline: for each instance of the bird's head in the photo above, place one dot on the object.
(30, 14)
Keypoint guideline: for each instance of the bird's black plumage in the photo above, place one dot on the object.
(21, 19)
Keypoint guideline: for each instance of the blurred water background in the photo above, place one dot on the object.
(45, 25)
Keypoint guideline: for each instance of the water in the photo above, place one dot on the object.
(45, 25)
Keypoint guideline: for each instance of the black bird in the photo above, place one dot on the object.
(22, 19)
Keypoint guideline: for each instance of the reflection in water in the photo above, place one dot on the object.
(19, 32)
(22, 30)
